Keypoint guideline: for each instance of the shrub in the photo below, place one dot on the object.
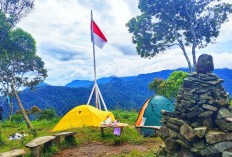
(17, 118)
(48, 114)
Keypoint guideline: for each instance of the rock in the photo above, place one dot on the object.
(164, 131)
(224, 113)
(199, 144)
(217, 136)
(207, 122)
(224, 125)
(194, 113)
(205, 114)
(205, 64)
(211, 102)
(185, 153)
(176, 121)
(206, 96)
(222, 102)
(182, 143)
(226, 154)
(215, 148)
(200, 132)
(167, 113)
(187, 132)
(195, 124)
(173, 134)
(209, 107)
(172, 145)
(173, 127)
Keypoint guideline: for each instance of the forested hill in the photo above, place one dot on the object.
(118, 92)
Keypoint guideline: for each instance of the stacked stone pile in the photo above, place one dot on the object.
(202, 122)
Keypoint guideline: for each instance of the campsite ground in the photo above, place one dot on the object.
(102, 149)
(89, 141)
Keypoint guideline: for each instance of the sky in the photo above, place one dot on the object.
(62, 33)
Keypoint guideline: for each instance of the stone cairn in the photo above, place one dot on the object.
(201, 124)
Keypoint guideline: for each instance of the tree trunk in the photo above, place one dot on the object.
(11, 108)
(189, 63)
(194, 57)
(22, 108)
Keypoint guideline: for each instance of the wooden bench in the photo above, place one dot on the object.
(37, 144)
(156, 128)
(103, 127)
(68, 136)
(14, 153)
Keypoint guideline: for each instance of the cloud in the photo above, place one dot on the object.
(126, 49)
(62, 32)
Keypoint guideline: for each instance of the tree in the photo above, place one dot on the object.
(4, 29)
(12, 11)
(170, 87)
(183, 23)
(20, 66)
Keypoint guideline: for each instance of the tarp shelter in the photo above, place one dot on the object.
(150, 113)
(84, 115)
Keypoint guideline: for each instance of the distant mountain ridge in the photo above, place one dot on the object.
(118, 92)
(87, 83)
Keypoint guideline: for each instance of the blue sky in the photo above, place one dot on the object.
(62, 32)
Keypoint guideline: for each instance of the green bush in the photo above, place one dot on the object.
(48, 114)
(17, 118)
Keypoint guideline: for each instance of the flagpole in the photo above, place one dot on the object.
(94, 62)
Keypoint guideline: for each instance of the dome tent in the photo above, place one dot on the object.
(84, 115)
(150, 112)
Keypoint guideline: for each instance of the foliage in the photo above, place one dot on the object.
(16, 9)
(123, 116)
(4, 29)
(17, 118)
(48, 114)
(20, 66)
(183, 23)
(170, 87)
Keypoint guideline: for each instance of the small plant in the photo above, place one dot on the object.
(48, 152)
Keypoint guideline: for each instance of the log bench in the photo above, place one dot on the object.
(68, 136)
(14, 153)
(156, 128)
(37, 144)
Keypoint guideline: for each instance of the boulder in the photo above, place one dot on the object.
(215, 148)
(217, 136)
(187, 132)
(205, 64)
(209, 107)
(224, 113)
(176, 121)
(200, 132)
(172, 145)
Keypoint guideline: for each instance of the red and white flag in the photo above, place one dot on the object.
(99, 38)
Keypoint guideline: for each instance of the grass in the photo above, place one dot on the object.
(84, 135)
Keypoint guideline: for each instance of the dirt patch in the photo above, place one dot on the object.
(101, 149)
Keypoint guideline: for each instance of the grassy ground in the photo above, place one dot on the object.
(84, 135)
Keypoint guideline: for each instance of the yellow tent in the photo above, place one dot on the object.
(84, 115)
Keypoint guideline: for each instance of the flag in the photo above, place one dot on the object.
(99, 38)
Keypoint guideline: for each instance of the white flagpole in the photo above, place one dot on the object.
(94, 62)
(98, 95)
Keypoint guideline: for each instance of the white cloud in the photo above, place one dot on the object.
(62, 32)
